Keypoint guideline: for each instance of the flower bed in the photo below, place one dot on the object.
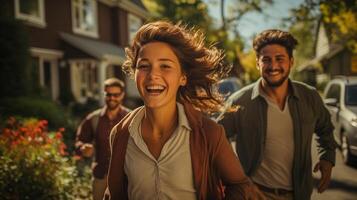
(34, 164)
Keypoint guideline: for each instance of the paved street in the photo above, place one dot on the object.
(344, 181)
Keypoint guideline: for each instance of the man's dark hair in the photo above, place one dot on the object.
(114, 82)
(275, 36)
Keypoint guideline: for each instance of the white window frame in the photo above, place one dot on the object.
(38, 21)
(81, 69)
(133, 19)
(78, 30)
(52, 56)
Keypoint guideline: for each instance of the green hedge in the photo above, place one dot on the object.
(34, 107)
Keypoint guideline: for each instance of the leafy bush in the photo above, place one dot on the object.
(34, 164)
(41, 108)
(34, 107)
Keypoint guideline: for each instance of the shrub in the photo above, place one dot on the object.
(34, 107)
(41, 108)
(34, 164)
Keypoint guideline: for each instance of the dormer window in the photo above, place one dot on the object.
(31, 11)
(84, 17)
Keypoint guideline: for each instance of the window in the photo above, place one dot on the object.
(334, 92)
(134, 23)
(31, 11)
(47, 65)
(45, 69)
(84, 17)
(84, 78)
(351, 95)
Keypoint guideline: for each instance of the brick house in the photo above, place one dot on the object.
(77, 44)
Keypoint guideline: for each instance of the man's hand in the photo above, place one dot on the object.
(256, 194)
(325, 168)
(87, 150)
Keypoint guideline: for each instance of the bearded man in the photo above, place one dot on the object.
(275, 122)
(93, 134)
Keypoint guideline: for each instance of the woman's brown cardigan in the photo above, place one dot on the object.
(216, 169)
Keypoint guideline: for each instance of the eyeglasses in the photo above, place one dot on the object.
(107, 94)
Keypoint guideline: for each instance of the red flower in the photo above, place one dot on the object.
(62, 148)
(58, 135)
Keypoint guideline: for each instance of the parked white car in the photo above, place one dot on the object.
(340, 97)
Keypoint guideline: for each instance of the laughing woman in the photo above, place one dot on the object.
(168, 149)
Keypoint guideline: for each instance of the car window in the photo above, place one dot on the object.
(226, 88)
(351, 95)
(334, 92)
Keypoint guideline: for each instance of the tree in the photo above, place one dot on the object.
(248, 60)
(340, 20)
(15, 72)
(237, 9)
(195, 12)
(230, 23)
(302, 25)
(191, 12)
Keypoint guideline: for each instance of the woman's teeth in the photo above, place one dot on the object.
(155, 88)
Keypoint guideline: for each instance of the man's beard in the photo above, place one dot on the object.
(112, 106)
(277, 83)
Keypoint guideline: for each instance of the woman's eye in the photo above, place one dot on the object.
(166, 66)
(142, 66)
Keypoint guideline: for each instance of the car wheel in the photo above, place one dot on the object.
(345, 150)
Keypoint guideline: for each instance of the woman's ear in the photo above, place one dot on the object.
(183, 80)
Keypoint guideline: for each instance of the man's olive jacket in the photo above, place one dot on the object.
(249, 123)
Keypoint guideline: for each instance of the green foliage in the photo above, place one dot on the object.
(42, 108)
(302, 24)
(34, 107)
(33, 164)
(340, 20)
(15, 71)
(192, 12)
(248, 60)
(238, 8)
(195, 13)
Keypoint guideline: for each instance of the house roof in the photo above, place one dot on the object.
(98, 49)
(139, 3)
(135, 7)
(314, 62)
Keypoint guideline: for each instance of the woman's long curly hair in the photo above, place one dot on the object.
(203, 66)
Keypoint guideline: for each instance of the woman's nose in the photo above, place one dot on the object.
(154, 72)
